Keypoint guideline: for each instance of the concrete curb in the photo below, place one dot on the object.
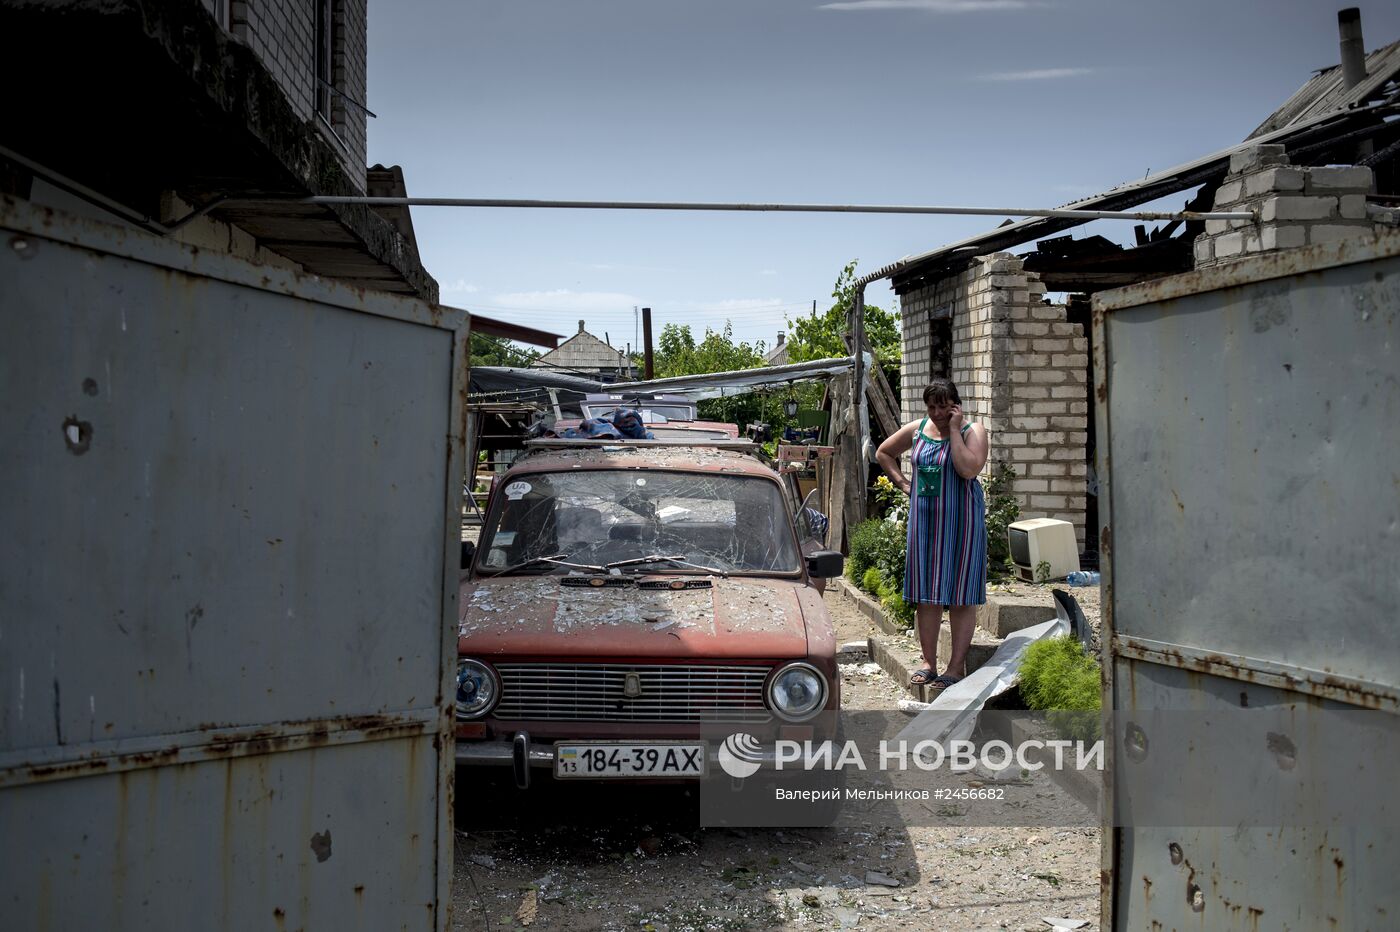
(868, 607)
(884, 651)
(1004, 615)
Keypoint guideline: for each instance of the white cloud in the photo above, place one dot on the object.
(1041, 74)
(768, 272)
(932, 6)
(460, 286)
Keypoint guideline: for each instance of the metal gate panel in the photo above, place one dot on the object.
(229, 586)
(1250, 503)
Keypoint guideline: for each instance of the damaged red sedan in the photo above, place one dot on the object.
(626, 597)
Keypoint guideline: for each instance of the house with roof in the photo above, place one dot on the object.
(778, 355)
(585, 354)
(1322, 167)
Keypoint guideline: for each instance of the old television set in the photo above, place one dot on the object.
(1042, 540)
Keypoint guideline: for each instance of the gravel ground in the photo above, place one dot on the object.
(632, 857)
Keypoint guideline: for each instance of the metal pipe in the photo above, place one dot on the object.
(648, 359)
(1353, 47)
(791, 208)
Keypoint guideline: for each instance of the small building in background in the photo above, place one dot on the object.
(778, 355)
(585, 354)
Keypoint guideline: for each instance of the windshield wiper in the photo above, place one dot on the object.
(668, 558)
(554, 560)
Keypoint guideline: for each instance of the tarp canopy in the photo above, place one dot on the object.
(742, 381)
(505, 384)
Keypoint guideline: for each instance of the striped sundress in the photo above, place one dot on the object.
(947, 557)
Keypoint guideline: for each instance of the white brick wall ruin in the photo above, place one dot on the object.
(1022, 370)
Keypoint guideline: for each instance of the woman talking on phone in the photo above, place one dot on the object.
(946, 563)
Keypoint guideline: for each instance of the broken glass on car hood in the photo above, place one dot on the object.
(643, 617)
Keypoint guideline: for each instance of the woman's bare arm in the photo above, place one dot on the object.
(895, 446)
(969, 453)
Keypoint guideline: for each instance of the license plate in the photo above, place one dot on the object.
(607, 759)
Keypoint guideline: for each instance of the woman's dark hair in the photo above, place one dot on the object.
(941, 390)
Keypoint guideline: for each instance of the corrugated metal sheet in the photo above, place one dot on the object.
(1325, 91)
(1303, 131)
(230, 586)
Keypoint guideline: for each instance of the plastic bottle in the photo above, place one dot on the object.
(1083, 578)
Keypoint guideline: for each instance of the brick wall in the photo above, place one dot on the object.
(1022, 370)
(283, 34)
(1295, 206)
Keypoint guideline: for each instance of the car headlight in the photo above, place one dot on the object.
(478, 688)
(797, 691)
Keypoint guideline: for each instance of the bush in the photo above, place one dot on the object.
(872, 581)
(1059, 677)
(891, 547)
(864, 537)
(892, 601)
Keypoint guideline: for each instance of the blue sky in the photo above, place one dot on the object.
(972, 102)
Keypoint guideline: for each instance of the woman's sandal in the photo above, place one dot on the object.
(922, 677)
(943, 681)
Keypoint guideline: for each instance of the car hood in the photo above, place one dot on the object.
(740, 618)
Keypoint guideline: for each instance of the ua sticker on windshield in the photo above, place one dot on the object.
(517, 490)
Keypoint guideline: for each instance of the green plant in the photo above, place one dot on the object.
(1058, 676)
(892, 601)
(891, 545)
(1042, 571)
(863, 539)
(1002, 510)
(871, 581)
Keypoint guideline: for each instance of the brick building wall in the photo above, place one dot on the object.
(1022, 370)
(283, 35)
(1295, 206)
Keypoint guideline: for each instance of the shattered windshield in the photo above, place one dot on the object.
(584, 520)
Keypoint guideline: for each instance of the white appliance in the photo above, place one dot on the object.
(1043, 540)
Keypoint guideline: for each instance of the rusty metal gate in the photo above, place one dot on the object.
(1250, 466)
(228, 577)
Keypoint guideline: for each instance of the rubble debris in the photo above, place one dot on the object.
(884, 880)
(529, 908)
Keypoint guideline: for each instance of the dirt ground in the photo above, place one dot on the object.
(633, 857)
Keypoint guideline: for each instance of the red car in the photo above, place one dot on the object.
(626, 596)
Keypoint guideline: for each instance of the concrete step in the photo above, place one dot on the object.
(897, 651)
(1004, 615)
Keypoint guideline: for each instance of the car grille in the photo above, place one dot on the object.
(669, 693)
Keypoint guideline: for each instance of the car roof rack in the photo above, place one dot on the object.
(570, 443)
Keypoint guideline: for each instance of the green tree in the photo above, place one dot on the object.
(822, 336)
(494, 351)
(679, 353)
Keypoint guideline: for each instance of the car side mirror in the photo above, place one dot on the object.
(825, 564)
(468, 552)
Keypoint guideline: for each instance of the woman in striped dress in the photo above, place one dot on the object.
(946, 562)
